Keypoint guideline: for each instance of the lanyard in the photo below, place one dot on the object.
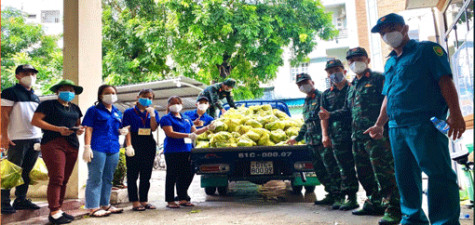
(141, 118)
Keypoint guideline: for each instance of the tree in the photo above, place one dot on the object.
(24, 43)
(209, 40)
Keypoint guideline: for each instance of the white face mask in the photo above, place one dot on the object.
(358, 67)
(28, 81)
(393, 39)
(306, 88)
(109, 99)
(203, 107)
(176, 108)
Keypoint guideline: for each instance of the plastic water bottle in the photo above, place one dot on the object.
(443, 127)
(464, 216)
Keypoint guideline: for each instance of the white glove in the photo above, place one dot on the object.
(192, 136)
(124, 131)
(151, 111)
(87, 155)
(211, 126)
(129, 151)
(37, 147)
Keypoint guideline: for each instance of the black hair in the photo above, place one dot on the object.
(172, 98)
(146, 91)
(101, 89)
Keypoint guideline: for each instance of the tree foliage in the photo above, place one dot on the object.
(24, 43)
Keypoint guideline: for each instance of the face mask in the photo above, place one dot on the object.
(228, 90)
(306, 88)
(358, 67)
(28, 81)
(337, 77)
(393, 39)
(203, 107)
(176, 108)
(145, 102)
(66, 96)
(109, 99)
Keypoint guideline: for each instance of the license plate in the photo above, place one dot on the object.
(262, 168)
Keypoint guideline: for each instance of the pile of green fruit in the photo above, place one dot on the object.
(245, 127)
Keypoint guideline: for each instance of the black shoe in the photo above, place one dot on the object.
(19, 204)
(7, 208)
(68, 216)
(60, 220)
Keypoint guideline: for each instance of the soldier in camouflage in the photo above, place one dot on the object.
(337, 134)
(373, 158)
(219, 91)
(323, 161)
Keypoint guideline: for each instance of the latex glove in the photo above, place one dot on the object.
(212, 126)
(151, 111)
(37, 147)
(129, 151)
(192, 136)
(124, 131)
(87, 155)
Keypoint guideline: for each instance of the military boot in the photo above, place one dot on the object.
(369, 208)
(328, 200)
(390, 218)
(338, 202)
(351, 203)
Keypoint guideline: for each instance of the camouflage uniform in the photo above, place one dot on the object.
(340, 134)
(323, 161)
(373, 158)
(215, 93)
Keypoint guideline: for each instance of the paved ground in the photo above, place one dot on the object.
(244, 205)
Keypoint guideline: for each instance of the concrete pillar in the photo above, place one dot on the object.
(82, 64)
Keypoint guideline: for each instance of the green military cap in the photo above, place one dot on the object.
(333, 63)
(358, 51)
(77, 89)
(302, 77)
(230, 82)
(388, 19)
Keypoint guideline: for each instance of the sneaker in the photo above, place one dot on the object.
(7, 208)
(389, 219)
(337, 203)
(351, 203)
(20, 204)
(60, 220)
(328, 200)
(70, 217)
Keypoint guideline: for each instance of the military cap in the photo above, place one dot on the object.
(302, 77)
(388, 19)
(333, 63)
(358, 51)
(202, 97)
(26, 67)
(230, 82)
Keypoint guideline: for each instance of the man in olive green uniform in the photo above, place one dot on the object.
(324, 163)
(337, 133)
(219, 91)
(373, 158)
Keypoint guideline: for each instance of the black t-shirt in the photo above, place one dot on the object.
(59, 115)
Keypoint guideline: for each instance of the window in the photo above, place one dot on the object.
(32, 16)
(301, 68)
(50, 16)
(339, 19)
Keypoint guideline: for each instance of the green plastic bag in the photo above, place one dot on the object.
(39, 172)
(10, 174)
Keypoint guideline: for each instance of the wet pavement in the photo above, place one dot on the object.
(245, 203)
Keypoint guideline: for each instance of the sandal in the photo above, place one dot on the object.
(99, 213)
(138, 208)
(149, 206)
(114, 210)
(187, 204)
(173, 206)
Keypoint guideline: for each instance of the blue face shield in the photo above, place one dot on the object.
(145, 102)
(66, 96)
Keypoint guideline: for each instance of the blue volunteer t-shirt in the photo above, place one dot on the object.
(192, 114)
(181, 125)
(412, 84)
(136, 119)
(105, 128)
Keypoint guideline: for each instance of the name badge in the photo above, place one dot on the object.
(188, 141)
(144, 131)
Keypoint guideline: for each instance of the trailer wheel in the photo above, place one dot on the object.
(210, 190)
(297, 189)
(309, 189)
(223, 190)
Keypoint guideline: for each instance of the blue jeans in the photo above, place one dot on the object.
(422, 148)
(99, 181)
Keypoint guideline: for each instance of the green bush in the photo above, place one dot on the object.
(121, 170)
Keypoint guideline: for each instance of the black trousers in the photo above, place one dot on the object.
(178, 172)
(23, 155)
(140, 165)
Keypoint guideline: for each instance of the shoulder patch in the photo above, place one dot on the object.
(368, 85)
(438, 50)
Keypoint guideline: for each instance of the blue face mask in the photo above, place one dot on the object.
(66, 96)
(145, 102)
